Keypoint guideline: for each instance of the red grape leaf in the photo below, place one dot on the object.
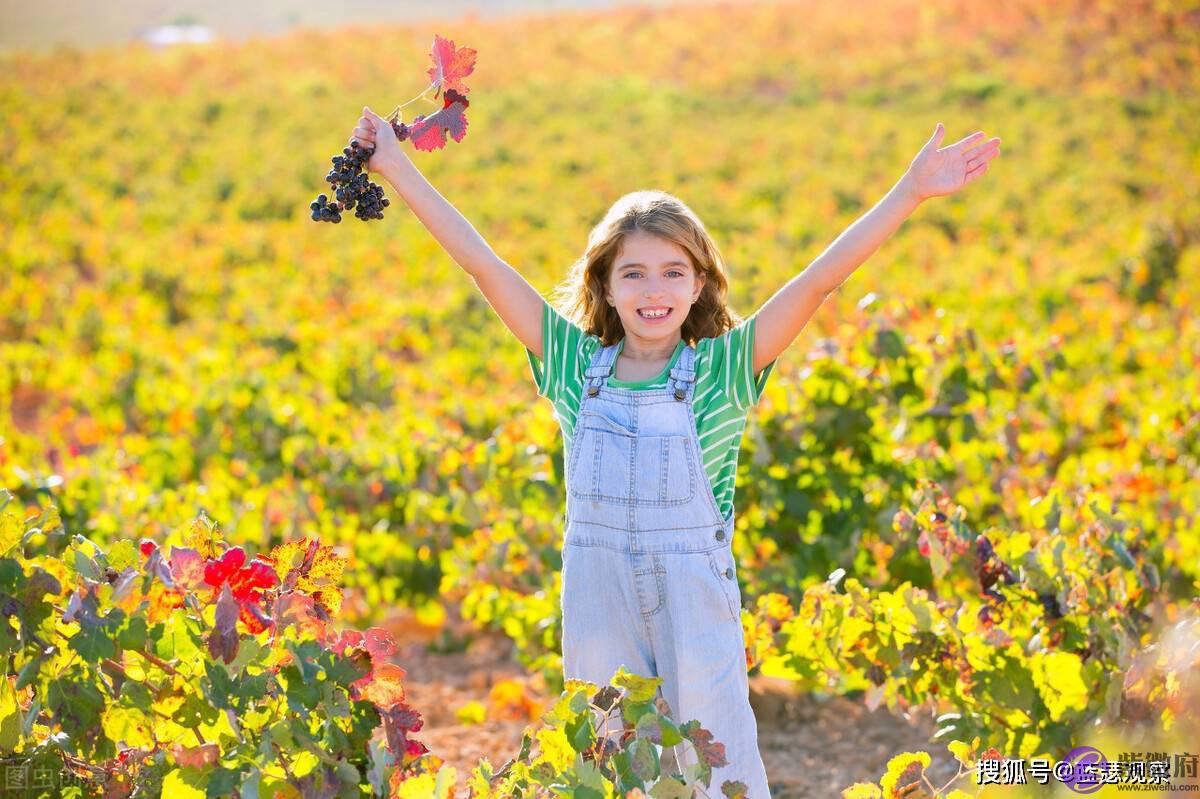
(429, 133)
(188, 568)
(223, 641)
(386, 685)
(711, 753)
(450, 66)
(299, 610)
(379, 643)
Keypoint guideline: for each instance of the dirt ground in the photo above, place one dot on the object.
(812, 746)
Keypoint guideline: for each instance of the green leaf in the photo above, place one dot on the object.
(123, 554)
(11, 721)
(176, 639)
(649, 728)
(670, 732)
(133, 633)
(11, 575)
(194, 711)
(623, 765)
(670, 788)
(219, 687)
(1117, 547)
(93, 644)
(302, 695)
(29, 672)
(580, 732)
(222, 781)
(644, 759)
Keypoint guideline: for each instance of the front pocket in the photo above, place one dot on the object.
(664, 474)
(650, 471)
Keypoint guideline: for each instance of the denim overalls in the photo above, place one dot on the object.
(648, 579)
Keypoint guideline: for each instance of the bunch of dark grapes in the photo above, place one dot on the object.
(351, 187)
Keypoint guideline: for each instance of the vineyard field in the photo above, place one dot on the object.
(249, 461)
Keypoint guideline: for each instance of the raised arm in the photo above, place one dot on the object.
(512, 298)
(932, 173)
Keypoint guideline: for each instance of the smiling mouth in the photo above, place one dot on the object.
(662, 313)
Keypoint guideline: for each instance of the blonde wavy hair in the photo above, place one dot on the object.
(581, 296)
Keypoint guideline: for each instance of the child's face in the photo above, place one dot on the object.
(652, 274)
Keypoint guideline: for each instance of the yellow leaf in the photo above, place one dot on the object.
(961, 751)
(555, 749)
(11, 719)
(1058, 677)
(11, 530)
(472, 713)
(641, 689)
(127, 725)
(907, 766)
(862, 790)
(175, 786)
(431, 614)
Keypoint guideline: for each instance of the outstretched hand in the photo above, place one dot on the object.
(375, 133)
(937, 172)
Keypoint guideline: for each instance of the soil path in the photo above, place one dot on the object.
(812, 746)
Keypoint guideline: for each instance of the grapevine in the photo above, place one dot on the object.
(348, 180)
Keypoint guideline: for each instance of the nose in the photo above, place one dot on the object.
(653, 290)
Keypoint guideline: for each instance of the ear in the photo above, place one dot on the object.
(699, 286)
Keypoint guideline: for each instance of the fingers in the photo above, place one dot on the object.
(991, 145)
(982, 154)
(364, 133)
(976, 173)
(974, 137)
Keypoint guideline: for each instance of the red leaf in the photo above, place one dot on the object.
(188, 571)
(712, 753)
(217, 572)
(379, 643)
(223, 641)
(348, 639)
(429, 133)
(299, 610)
(253, 617)
(257, 575)
(450, 66)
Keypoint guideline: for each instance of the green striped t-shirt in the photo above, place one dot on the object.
(726, 388)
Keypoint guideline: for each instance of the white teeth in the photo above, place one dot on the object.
(655, 314)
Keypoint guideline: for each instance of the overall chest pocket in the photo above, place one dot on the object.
(610, 464)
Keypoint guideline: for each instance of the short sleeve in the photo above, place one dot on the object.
(731, 359)
(557, 372)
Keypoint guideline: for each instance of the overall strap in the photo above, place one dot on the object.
(600, 368)
(683, 375)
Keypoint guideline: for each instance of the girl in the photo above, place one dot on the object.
(652, 375)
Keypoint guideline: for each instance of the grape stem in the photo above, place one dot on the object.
(396, 111)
